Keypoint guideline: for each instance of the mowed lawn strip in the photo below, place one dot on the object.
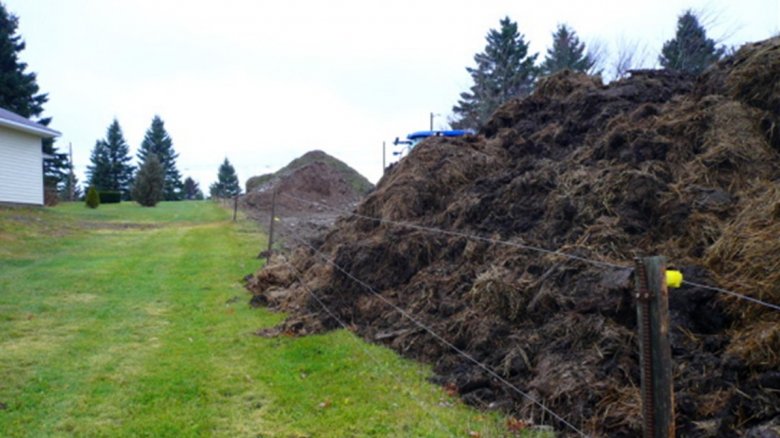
(130, 321)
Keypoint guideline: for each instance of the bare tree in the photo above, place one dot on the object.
(598, 53)
(630, 55)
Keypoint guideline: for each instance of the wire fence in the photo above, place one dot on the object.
(533, 248)
(438, 337)
(299, 276)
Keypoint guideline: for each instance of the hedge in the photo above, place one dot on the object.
(110, 197)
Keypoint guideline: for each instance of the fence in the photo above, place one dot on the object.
(652, 317)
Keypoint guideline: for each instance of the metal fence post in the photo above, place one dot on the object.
(655, 357)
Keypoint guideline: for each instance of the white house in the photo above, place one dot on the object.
(21, 159)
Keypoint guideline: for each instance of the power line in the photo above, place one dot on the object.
(441, 339)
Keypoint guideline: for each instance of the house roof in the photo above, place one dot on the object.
(12, 120)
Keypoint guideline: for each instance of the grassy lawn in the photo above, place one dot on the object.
(129, 321)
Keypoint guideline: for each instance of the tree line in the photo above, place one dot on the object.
(155, 178)
(506, 69)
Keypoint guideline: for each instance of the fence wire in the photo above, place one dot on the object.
(439, 338)
(529, 248)
(299, 275)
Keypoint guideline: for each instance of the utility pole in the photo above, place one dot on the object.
(71, 189)
(432, 116)
(384, 154)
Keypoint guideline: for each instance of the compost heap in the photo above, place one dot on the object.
(657, 163)
(309, 190)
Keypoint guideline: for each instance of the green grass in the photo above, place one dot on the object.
(131, 321)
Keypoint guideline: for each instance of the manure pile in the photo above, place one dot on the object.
(307, 188)
(658, 163)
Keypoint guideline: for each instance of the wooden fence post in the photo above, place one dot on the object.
(235, 207)
(655, 355)
(271, 228)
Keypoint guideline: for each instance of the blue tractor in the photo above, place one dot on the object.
(416, 137)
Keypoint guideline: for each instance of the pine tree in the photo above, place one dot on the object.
(117, 154)
(149, 184)
(504, 70)
(227, 184)
(92, 199)
(567, 52)
(690, 50)
(18, 89)
(99, 171)
(19, 93)
(55, 166)
(158, 142)
(192, 190)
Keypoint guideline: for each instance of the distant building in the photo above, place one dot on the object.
(21, 159)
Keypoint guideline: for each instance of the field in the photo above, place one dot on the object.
(129, 321)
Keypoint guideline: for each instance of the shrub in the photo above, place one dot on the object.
(93, 199)
(50, 196)
(110, 197)
(149, 182)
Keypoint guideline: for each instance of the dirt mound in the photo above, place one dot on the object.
(658, 163)
(308, 189)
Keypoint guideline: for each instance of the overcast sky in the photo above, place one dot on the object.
(262, 82)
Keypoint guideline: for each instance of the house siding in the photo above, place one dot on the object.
(21, 168)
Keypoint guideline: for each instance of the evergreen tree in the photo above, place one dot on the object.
(70, 188)
(149, 184)
(227, 184)
(117, 155)
(690, 50)
(504, 70)
(92, 199)
(158, 142)
(55, 166)
(192, 190)
(19, 93)
(18, 89)
(99, 171)
(567, 52)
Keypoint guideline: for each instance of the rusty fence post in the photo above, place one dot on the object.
(655, 357)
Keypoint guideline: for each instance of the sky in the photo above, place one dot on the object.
(262, 82)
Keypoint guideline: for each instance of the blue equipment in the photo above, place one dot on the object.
(416, 137)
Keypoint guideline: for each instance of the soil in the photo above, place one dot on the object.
(309, 194)
(657, 163)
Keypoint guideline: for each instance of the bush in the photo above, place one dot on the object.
(93, 199)
(149, 182)
(50, 196)
(110, 197)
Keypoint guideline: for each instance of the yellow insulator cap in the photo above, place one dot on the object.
(674, 279)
